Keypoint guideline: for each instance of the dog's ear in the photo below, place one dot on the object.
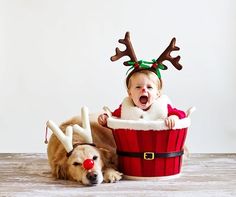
(109, 158)
(61, 171)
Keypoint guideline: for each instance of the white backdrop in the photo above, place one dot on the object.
(54, 58)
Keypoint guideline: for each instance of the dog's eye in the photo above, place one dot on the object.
(95, 157)
(77, 164)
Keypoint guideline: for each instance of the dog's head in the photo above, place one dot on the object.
(85, 165)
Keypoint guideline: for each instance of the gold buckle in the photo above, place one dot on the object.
(148, 155)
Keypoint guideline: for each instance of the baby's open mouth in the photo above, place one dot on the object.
(143, 99)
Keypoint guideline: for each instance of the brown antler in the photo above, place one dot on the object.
(166, 56)
(128, 52)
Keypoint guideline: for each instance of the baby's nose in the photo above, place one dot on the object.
(144, 89)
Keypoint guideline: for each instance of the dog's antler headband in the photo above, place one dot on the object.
(66, 139)
(153, 66)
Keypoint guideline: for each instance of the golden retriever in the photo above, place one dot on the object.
(73, 167)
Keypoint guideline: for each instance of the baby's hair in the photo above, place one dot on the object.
(150, 75)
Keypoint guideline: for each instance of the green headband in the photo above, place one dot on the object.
(146, 65)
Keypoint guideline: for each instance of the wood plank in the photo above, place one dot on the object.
(202, 175)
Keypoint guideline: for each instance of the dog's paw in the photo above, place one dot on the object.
(111, 175)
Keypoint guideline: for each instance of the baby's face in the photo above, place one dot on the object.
(143, 90)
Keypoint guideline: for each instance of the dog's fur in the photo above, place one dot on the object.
(104, 155)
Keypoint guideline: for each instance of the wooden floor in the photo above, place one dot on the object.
(202, 175)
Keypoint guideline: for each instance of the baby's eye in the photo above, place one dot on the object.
(150, 87)
(138, 87)
(77, 164)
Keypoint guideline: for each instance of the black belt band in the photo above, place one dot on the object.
(150, 155)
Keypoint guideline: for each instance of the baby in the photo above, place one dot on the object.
(144, 85)
(145, 101)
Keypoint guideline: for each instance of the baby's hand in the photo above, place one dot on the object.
(170, 121)
(102, 119)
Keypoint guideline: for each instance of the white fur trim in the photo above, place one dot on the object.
(158, 110)
(115, 123)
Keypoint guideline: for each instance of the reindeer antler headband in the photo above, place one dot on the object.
(155, 65)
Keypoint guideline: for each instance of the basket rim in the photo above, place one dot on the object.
(145, 125)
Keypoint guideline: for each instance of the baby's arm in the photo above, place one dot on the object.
(173, 115)
(102, 118)
(170, 121)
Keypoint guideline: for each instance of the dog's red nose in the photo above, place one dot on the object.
(88, 164)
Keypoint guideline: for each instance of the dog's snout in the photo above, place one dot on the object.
(92, 177)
